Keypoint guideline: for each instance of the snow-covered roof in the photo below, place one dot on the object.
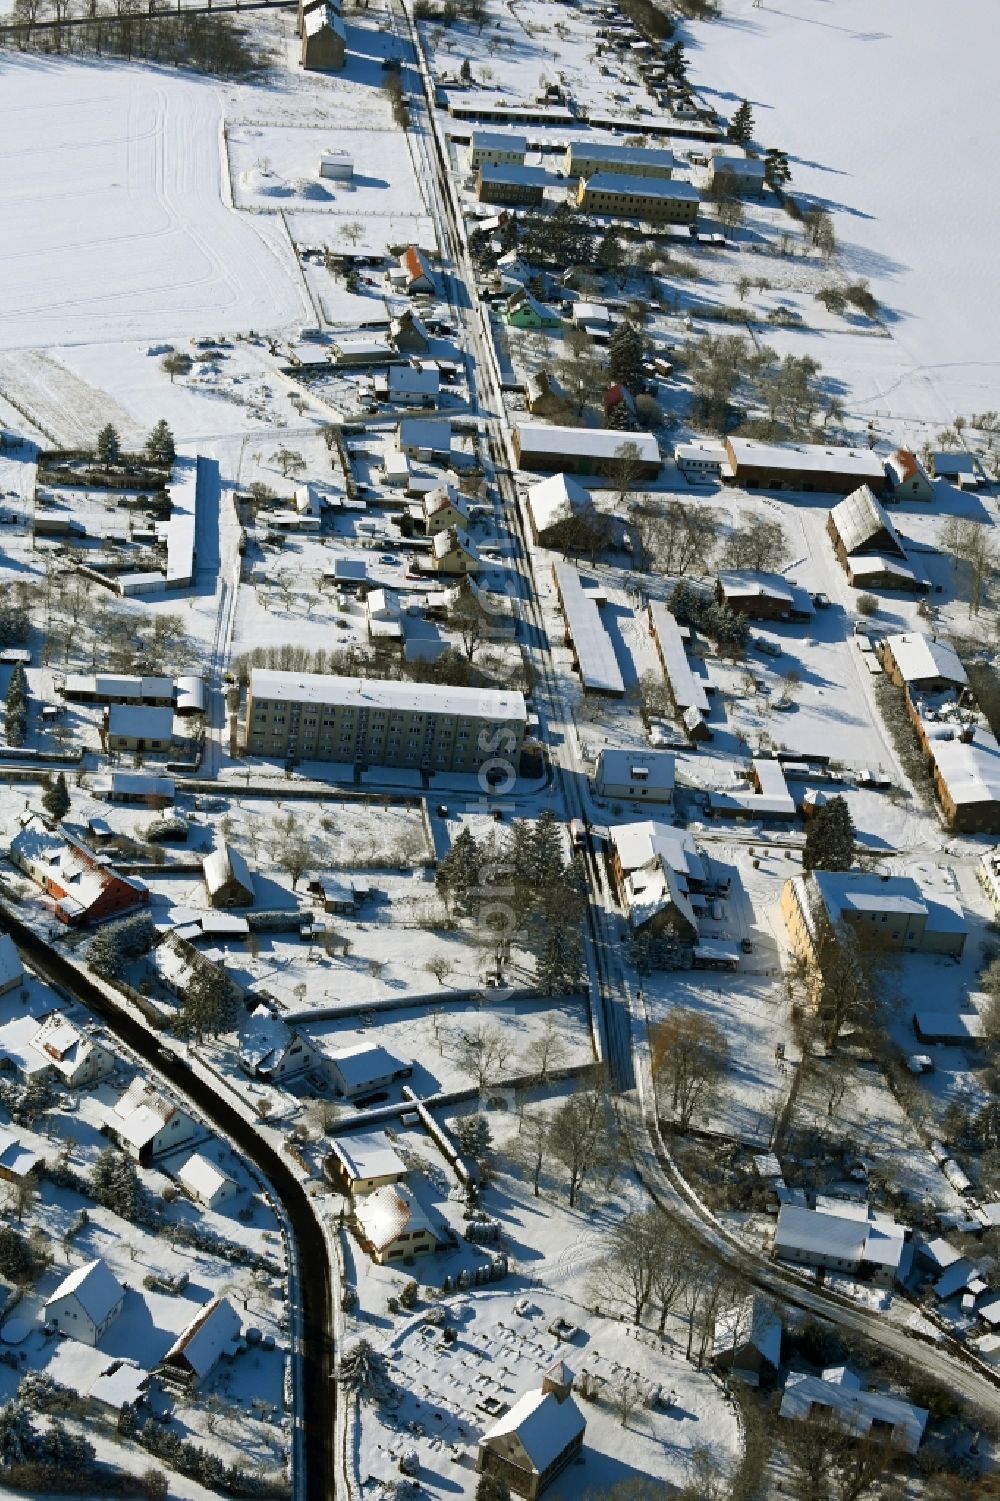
(372, 693)
(122, 784)
(263, 1040)
(202, 1343)
(223, 865)
(919, 657)
(756, 586)
(368, 1156)
(556, 499)
(499, 140)
(753, 1322)
(970, 769)
(140, 722)
(406, 380)
(514, 172)
(610, 154)
(601, 444)
(544, 1425)
(810, 1231)
(687, 688)
(454, 540)
(595, 652)
(202, 1177)
(15, 1158)
(860, 517)
(365, 1064)
(425, 432)
(123, 1381)
(384, 1215)
(654, 889)
(62, 1043)
(636, 769)
(629, 184)
(819, 458)
(903, 466)
(639, 844)
(142, 1112)
(738, 166)
(11, 968)
(443, 498)
(95, 1287)
(858, 1410)
(323, 17)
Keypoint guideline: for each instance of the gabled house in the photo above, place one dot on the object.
(860, 524)
(522, 310)
(205, 1181)
(908, 479)
(426, 439)
(361, 1164)
(391, 1225)
(228, 881)
(454, 551)
(212, 1333)
(87, 1302)
(17, 1162)
(747, 1340)
(444, 508)
(269, 1049)
(324, 40)
(532, 1443)
(408, 334)
(75, 1057)
(415, 271)
(139, 727)
(635, 776)
(554, 504)
(357, 1071)
(147, 1124)
(408, 386)
(84, 887)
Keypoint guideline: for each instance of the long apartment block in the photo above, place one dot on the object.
(364, 721)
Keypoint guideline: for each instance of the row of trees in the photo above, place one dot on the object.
(16, 716)
(730, 377)
(210, 44)
(159, 447)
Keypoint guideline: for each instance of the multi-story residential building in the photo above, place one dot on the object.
(497, 148)
(511, 184)
(316, 717)
(584, 158)
(625, 196)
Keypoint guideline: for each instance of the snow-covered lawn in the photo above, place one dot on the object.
(115, 222)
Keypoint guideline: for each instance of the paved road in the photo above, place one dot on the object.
(317, 1324)
(622, 1036)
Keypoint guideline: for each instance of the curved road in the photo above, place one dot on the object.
(318, 1390)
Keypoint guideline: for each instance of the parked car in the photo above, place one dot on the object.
(821, 600)
(769, 648)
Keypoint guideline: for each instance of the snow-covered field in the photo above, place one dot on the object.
(114, 222)
(904, 170)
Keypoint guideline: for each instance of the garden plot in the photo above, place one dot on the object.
(116, 227)
(432, 1039)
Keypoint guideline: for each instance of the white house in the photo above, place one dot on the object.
(205, 1181)
(11, 968)
(212, 1333)
(76, 1057)
(635, 776)
(146, 1123)
(358, 1070)
(841, 1236)
(87, 1302)
(269, 1049)
(424, 438)
(391, 1225)
(408, 386)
